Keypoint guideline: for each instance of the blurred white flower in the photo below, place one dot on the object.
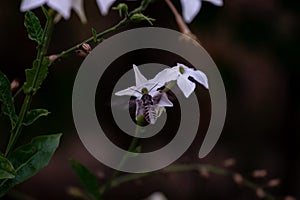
(181, 74)
(63, 7)
(104, 5)
(190, 8)
(157, 196)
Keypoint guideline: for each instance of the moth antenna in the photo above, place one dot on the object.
(153, 87)
(135, 90)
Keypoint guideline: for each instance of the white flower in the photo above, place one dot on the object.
(63, 7)
(181, 74)
(104, 5)
(190, 8)
(144, 86)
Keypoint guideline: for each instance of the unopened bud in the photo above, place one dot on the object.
(289, 198)
(273, 182)
(53, 57)
(14, 85)
(230, 162)
(83, 50)
(260, 193)
(204, 172)
(260, 173)
(86, 47)
(238, 178)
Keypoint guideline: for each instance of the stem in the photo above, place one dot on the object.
(42, 51)
(183, 27)
(144, 4)
(132, 146)
(184, 168)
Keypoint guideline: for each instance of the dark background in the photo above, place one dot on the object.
(254, 44)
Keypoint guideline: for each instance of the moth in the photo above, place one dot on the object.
(148, 106)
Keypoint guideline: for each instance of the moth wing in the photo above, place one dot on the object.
(139, 108)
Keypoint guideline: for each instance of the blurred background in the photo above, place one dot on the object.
(255, 46)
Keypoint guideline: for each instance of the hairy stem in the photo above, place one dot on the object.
(144, 4)
(42, 51)
(190, 167)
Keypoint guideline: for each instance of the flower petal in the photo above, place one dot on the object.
(166, 75)
(78, 7)
(185, 85)
(131, 91)
(104, 5)
(199, 76)
(159, 110)
(190, 9)
(31, 4)
(61, 6)
(164, 101)
(139, 77)
(215, 2)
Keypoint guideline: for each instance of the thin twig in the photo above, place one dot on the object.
(183, 27)
(144, 4)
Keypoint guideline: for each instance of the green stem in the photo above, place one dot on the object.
(184, 168)
(42, 51)
(131, 148)
(144, 4)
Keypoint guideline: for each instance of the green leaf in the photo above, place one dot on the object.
(137, 17)
(8, 107)
(29, 159)
(95, 38)
(122, 8)
(7, 171)
(87, 179)
(33, 26)
(33, 81)
(34, 115)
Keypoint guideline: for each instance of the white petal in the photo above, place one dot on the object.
(159, 110)
(139, 77)
(78, 7)
(186, 86)
(199, 76)
(31, 4)
(131, 91)
(157, 196)
(164, 101)
(166, 75)
(104, 5)
(61, 6)
(215, 2)
(190, 9)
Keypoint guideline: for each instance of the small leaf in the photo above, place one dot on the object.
(30, 158)
(7, 171)
(94, 32)
(8, 107)
(33, 81)
(122, 8)
(34, 115)
(140, 17)
(33, 26)
(87, 179)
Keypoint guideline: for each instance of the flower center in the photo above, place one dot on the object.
(144, 91)
(181, 70)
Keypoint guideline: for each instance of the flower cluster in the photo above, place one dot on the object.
(64, 7)
(151, 98)
(190, 8)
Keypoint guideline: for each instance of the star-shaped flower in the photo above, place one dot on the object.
(147, 92)
(190, 8)
(63, 7)
(181, 74)
(144, 86)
